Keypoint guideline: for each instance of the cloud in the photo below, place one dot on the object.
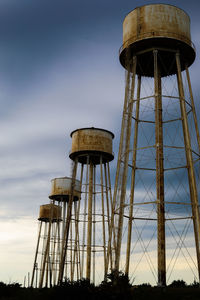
(17, 248)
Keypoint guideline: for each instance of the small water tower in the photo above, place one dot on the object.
(61, 194)
(46, 262)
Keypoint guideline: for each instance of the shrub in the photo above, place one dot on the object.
(178, 283)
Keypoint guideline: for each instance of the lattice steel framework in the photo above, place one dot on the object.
(92, 214)
(157, 176)
(47, 254)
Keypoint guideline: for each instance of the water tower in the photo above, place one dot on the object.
(46, 262)
(91, 153)
(156, 221)
(61, 194)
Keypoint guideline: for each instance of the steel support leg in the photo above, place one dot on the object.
(89, 228)
(159, 173)
(130, 221)
(190, 166)
(128, 115)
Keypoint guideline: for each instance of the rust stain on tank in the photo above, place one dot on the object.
(156, 20)
(93, 144)
(92, 140)
(50, 212)
(61, 189)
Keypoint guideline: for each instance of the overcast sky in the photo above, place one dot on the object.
(59, 71)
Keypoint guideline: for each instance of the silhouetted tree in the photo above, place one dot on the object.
(178, 283)
(195, 284)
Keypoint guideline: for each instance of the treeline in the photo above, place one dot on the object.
(113, 288)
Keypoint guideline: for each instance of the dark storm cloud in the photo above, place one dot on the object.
(34, 33)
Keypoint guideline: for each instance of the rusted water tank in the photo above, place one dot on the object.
(91, 143)
(156, 26)
(50, 212)
(61, 189)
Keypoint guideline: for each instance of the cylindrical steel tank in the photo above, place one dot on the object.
(156, 26)
(61, 189)
(50, 212)
(93, 143)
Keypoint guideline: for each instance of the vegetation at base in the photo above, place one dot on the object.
(114, 287)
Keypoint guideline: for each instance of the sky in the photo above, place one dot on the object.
(59, 71)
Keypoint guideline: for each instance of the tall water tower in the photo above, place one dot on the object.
(157, 177)
(91, 153)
